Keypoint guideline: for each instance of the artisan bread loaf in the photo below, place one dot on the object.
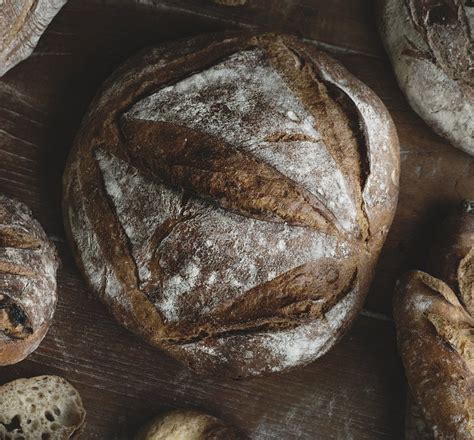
(187, 425)
(28, 264)
(228, 199)
(435, 331)
(22, 22)
(40, 408)
(430, 44)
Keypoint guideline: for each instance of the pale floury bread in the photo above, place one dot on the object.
(430, 44)
(228, 199)
(22, 22)
(40, 408)
(434, 315)
(28, 264)
(187, 425)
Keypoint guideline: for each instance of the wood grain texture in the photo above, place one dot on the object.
(357, 390)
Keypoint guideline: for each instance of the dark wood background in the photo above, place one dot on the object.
(357, 391)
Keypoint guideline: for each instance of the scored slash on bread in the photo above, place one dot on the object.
(227, 198)
(40, 408)
(431, 47)
(435, 330)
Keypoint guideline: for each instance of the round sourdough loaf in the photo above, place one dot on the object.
(435, 330)
(430, 43)
(187, 425)
(228, 199)
(28, 264)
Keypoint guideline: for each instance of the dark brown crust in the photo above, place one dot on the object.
(28, 264)
(435, 332)
(248, 187)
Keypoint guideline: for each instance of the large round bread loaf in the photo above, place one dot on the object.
(434, 315)
(28, 264)
(228, 199)
(430, 44)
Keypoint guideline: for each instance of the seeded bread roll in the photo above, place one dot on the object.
(228, 199)
(187, 425)
(43, 407)
(28, 264)
(22, 23)
(430, 44)
(435, 330)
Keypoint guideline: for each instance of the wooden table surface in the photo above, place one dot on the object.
(357, 391)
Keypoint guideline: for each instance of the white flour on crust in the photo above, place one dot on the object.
(229, 253)
(244, 101)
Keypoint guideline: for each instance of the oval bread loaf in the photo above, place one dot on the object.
(40, 408)
(187, 425)
(28, 264)
(435, 331)
(430, 44)
(22, 22)
(228, 199)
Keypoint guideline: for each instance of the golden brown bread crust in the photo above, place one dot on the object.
(435, 331)
(28, 264)
(237, 253)
(187, 425)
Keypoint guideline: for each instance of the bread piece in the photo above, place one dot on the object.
(43, 407)
(187, 425)
(28, 264)
(416, 427)
(228, 199)
(22, 22)
(430, 44)
(435, 331)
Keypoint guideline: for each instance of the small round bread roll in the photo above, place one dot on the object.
(22, 22)
(430, 44)
(40, 408)
(434, 316)
(187, 425)
(228, 199)
(28, 264)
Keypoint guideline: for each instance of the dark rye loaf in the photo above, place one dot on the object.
(228, 199)
(434, 315)
(28, 264)
(430, 44)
